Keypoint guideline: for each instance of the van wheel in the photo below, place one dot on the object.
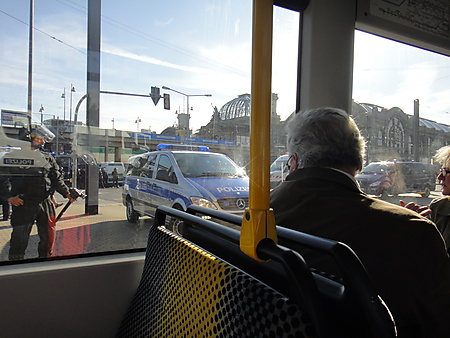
(174, 224)
(427, 192)
(132, 215)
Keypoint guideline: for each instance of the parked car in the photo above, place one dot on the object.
(278, 170)
(180, 178)
(381, 178)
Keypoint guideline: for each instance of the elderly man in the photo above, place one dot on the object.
(404, 254)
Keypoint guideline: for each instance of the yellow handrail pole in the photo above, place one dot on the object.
(259, 222)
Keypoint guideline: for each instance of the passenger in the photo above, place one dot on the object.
(389, 180)
(439, 208)
(402, 252)
(30, 195)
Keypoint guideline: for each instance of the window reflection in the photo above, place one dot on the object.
(399, 99)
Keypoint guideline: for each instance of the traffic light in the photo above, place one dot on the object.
(166, 101)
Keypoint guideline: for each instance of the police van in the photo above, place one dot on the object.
(179, 178)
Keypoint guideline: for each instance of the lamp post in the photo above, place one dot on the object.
(41, 110)
(137, 122)
(188, 132)
(57, 136)
(72, 90)
(63, 96)
(30, 61)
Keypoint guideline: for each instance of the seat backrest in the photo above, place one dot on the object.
(162, 175)
(202, 284)
(352, 306)
(186, 291)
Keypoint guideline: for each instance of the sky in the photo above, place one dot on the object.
(391, 74)
(195, 47)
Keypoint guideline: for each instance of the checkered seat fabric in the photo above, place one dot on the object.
(187, 292)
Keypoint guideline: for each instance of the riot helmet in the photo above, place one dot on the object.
(43, 132)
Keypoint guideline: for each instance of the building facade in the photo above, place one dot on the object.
(392, 134)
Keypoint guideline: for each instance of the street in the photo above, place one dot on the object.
(109, 230)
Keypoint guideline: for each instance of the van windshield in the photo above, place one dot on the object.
(207, 165)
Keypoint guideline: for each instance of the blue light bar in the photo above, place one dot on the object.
(166, 146)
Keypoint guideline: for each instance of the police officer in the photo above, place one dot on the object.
(29, 192)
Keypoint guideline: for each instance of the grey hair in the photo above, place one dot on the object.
(325, 137)
(442, 156)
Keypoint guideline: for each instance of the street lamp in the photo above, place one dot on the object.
(41, 110)
(72, 90)
(63, 96)
(188, 132)
(137, 122)
(57, 136)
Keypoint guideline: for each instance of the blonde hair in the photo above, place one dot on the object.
(443, 156)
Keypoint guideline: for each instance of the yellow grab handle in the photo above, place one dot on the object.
(259, 222)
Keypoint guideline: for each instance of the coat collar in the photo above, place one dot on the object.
(329, 175)
(441, 205)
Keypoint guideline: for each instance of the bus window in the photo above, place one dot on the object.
(399, 100)
(147, 56)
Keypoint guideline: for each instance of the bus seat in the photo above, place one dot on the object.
(201, 284)
(353, 308)
(186, 291)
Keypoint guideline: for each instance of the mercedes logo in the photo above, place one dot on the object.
(240, 203)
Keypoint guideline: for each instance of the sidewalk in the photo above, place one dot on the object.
(75, 215)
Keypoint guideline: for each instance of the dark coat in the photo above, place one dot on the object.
(441, 217)
(404, 253)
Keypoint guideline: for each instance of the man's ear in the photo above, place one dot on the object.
(294, 162)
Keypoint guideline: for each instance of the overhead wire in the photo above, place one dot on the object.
(41, 31)
(143, 35)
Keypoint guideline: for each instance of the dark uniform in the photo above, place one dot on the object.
(35, 187)
(5, 209)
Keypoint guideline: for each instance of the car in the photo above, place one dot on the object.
(396, 177)
(179, 178)
(278, 170)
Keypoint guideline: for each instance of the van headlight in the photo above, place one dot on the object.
(202, 202)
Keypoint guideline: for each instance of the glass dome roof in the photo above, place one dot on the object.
(238, 107)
